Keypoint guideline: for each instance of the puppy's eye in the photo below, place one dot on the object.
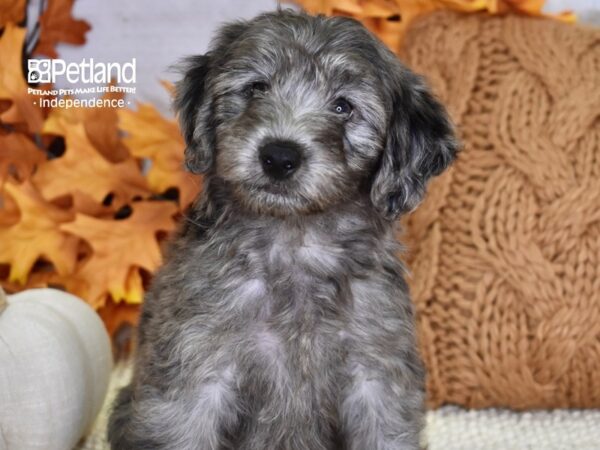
(342, 106)
(256, 88)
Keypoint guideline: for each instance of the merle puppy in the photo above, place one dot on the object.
(281, 319)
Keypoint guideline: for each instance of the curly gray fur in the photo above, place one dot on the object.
(281, 318)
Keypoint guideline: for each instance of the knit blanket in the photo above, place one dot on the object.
(505, 250)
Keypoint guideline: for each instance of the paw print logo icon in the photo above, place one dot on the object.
(38, 71)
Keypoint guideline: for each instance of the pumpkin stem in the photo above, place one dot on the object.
(3, 300)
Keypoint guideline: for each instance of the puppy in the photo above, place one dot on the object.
(281, 319)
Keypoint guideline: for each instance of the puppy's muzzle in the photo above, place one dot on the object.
(280, 159)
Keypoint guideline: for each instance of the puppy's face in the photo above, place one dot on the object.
(298, 113)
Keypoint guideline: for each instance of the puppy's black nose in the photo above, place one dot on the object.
(280, 159)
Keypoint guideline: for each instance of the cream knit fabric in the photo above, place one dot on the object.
(452, 428)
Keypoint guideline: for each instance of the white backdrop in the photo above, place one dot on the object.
(160, 32)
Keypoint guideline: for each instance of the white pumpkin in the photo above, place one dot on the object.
(55, 364)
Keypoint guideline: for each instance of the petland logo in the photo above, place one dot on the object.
(87, 71)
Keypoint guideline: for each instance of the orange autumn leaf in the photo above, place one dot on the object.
(134, 287)
(329, 8)
(390, 19)
(169, 87)
(82, 168)
(11, 11)
(24, 107)
(372, 8)
(84, 204)
(78, 202)
(115, 315)
(120, 319)
(91, 283)
(37, 234)
(18, 156)
(100, 127)
(40, 279)
(120, 249)
(150, 135)
(58, 25)
(9, 211)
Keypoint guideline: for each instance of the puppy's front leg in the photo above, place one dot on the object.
(382, 402)
(192, 418)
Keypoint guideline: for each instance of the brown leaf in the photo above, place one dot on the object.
(100, 127)
(37, 234)
(12, 11)
(169, 87)
(57, 25)
(82, 168)
(18, 156)
(78, 202)
(120, 249)
(24, 107)
(35, 280)
(120, 320)
(375, 14)
(116, 314)
(9, 211)
(150, 135)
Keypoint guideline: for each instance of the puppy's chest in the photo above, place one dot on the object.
(291, 282)
(311, 254)
(304, 272)
(304, 308)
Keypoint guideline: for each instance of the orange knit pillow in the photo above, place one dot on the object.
(505, 251)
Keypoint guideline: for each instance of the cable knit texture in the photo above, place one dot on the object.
(505, 251)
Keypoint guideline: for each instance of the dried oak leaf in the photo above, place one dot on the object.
(390, 19)
(169, 87)
(120, 249)
(529, 7)
(78, 202)
(100, 126)
(37, 234)
(82, 168)
(18, 156)
(92, 284)
(9, 212)
(25, 107)
(11, 11)
(35, 280)
(84, 204)
(116, 316)
(372, 8)
(120, 320)
(58, 25)
(150, 135)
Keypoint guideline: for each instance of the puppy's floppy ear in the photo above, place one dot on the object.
(420, 143)
(193, 109)
(194, 102)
